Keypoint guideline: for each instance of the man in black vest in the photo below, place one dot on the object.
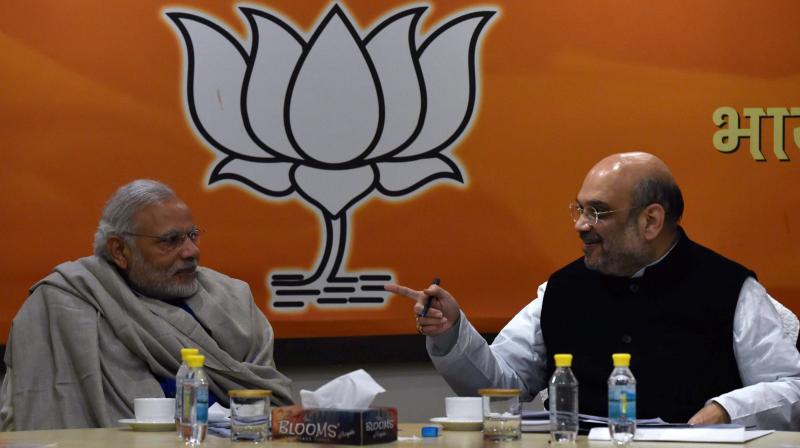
(706, 340)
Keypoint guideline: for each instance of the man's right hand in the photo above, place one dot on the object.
(443, 313)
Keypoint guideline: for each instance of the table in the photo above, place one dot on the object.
(123, 437)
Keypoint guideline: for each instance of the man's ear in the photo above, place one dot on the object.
(119, 251)
(652, 220)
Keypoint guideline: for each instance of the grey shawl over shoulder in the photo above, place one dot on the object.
(84, 345)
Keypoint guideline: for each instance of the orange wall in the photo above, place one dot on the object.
(90, 98)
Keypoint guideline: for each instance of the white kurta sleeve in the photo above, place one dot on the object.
(769, 365)
(516, 358)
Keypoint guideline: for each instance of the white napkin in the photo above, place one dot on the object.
(218, 413)
(354, 390)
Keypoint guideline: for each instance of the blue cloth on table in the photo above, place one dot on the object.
(220, 429)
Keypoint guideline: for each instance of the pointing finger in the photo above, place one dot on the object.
(403, 291)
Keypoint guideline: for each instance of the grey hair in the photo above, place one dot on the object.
(662, 191)
(117, 218)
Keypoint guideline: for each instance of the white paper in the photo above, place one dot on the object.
(355, 390)
(593, 419)
(695, 434)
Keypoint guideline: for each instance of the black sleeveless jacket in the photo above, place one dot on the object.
(676, 321)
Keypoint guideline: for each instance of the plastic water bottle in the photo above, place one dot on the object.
(194, 414)
(621, 400)
(183, 372)
(563, 396)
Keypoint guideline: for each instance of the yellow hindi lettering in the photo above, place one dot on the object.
(796, 113)
(778, 115)
(727, 139)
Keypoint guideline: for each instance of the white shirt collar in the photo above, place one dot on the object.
(640, 272)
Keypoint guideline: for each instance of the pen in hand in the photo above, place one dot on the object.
(427, 307)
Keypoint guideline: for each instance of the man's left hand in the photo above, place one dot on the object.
(712, 414)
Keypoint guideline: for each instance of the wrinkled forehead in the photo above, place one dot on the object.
(609, 185)
(163, 217)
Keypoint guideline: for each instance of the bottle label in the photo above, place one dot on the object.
(202, 405)
(178, 399)
(187, 396)
(195, 403)
(622, 402)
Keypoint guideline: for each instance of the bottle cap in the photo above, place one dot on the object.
(186, 351)
(563, 360)
(430, 431)
(621, 359)
(195, 361)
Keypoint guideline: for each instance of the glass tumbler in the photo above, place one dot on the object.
(501, 414)
(250, 414)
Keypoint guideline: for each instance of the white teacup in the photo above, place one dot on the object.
(154, 409)
(464, 408)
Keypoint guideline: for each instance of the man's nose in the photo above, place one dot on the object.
(583, 223)
(189, 249)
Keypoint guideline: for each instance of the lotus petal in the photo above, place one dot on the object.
(333, 191)
(391, 46)
(334, 104)
(215, 70)
(267, 177)
(276, 50)
(447, 58)
(401, 178)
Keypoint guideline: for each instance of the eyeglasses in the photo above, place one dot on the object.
(591, 213)
(172, 240)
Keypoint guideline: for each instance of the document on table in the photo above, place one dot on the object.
(725, 434)
(539, 421)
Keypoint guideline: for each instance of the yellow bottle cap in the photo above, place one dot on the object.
(563, 360)
(621, 359)
(186, 351)
(195, 361)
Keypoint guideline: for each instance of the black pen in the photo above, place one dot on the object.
(427, 307)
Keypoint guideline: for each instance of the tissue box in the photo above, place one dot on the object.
(345, 426)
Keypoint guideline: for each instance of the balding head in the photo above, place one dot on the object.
(630, 162)
(634, 207)
(645, 177)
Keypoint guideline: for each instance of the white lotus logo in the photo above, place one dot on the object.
(333, 119)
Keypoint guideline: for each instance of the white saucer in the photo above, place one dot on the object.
(459, 424)
(148, 426)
